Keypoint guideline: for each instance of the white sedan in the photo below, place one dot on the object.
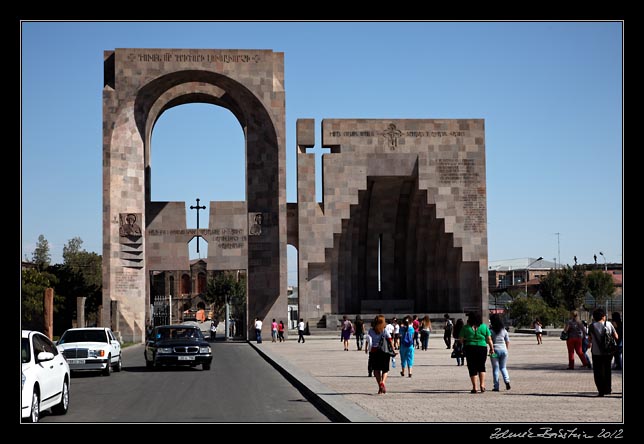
(93, 348)
(45, 377)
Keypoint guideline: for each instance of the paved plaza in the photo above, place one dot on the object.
(543, 390)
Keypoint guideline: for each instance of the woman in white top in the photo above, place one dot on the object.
(538, 330)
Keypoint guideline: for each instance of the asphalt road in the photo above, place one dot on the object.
(240, 387)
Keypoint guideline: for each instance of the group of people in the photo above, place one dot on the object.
(473, 339)
(277, 330)
(582, 337)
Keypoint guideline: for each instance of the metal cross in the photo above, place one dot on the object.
(197, 207)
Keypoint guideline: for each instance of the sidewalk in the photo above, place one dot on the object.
(543, 390)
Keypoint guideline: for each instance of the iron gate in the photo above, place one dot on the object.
(161, 311)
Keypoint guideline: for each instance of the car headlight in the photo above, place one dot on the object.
(164, 350)
(96, 353)
(204, 349)
(24, 379)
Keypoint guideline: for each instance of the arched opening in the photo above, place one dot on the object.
(292, 289)
(197, 151)
(186, 285)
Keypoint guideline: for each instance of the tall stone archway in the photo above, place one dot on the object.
(140, 235)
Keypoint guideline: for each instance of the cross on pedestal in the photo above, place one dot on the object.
(197, 207)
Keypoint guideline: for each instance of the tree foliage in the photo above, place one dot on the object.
(225, 285)
(600, 285)
(34, 282)
(41, 256)
(564, 287)
(79, 276)
(524, 310)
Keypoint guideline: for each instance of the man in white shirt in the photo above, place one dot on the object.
(258, 330)
(300, 331)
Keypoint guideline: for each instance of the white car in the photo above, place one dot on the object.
(93, 348)
(45, 377)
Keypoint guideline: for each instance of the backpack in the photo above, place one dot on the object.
(607, 344)
(408, 338)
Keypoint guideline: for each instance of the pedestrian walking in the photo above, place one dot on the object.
(575, 330)
(258, 330)
(447, 333)
(274, 331)
(458, 352)
(300, 331)
(416, 324)
(358, 328)
(396, 325)
(475, 336)
(619, 328)
(501, 341)
(368, 345)
(406, 346)
(538, 330)
(213, 330)
(379, 359)
(280, 331)
(425, 330)
(347, 328)
(602, 358)
(585, 342)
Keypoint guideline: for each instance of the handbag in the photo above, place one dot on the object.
(563, 336)
(385, 346)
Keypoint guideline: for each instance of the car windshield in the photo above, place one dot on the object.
(83, 336)
(25, 350)
(178, 333)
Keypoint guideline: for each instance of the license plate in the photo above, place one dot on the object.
(186, 358)
(76, 361)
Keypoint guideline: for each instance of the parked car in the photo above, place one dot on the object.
(45, 377)
(177, 345)
(92, 348)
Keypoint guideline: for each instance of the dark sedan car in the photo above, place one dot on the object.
(177, 345)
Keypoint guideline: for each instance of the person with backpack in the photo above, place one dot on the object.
(602, 354)
(575, 330)
(406, 346)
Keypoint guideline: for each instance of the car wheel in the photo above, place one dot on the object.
(63, 406)
(34, 415)
(108, 369)
(119, 365)
(149, 364)
(206, 366)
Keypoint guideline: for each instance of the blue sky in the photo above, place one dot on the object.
(550, 94)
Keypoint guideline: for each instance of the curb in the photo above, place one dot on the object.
(327, 400)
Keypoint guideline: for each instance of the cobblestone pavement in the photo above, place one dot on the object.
(543, 390)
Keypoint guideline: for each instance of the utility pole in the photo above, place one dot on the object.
(558, 249)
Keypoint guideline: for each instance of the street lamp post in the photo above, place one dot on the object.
(527, 273)
(605, 263)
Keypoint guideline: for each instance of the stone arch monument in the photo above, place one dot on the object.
(139, 85)
(401, 229)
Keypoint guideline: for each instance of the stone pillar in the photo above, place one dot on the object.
(48, 313)
(80, 311)
(115, 315)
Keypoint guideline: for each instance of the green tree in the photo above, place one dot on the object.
(80, 275)
(573, 287)
(564, 287)
(41, 256)
(34, 282)
(600, 285)
(550, 289)
(223, 285)
(524, 310)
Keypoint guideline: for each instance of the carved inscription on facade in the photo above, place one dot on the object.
(463, 174)
(126, 281)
